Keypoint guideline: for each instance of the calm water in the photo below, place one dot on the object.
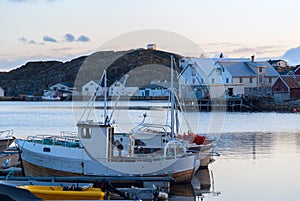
(260, 152)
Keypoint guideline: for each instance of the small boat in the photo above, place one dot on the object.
(11, 193)
(6, 139)
(65, 192)
(50, 95)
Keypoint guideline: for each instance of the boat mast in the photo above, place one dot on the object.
(172, 99)
(105, 98)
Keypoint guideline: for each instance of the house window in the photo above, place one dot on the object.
(227, 80)
(260, 79)
(86, 89)
(270, 80)
(194, 81)
(260, 70)
(91, 83)
(212, 80)
(250, 80)
(202, 81)
(63, 88)
(241, 80)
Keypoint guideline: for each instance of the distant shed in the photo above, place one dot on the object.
(151, 47)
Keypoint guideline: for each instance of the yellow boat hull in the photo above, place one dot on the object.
(58, 193)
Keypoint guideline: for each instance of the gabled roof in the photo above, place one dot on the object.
(95, 81)
(270, 71)
(206, 65)
(67, 84)
(238, 69)
(291, 81)
(248, 69)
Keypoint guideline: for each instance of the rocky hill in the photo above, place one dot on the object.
(34, 77)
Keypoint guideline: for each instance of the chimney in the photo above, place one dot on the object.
(221, 55)
(252, 58)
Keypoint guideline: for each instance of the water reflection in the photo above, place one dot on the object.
(201, 186)
(245, 145)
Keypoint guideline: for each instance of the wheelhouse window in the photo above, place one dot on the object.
(86, 132)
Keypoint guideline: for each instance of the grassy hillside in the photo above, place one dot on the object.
(142, 66)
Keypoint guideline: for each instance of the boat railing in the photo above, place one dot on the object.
(69, 133)
(7, 133)
(66, 140)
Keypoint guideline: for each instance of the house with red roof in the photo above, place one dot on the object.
(287, 87)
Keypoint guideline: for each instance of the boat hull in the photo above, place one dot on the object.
(32, 170)
(66, 161)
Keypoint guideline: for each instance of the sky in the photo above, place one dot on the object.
(34, 30)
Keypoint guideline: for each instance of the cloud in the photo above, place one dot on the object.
(69, 37)
(83, 38)
(23, 39)
(27, 41)
(32, 42)
(49, 39)
(63, 49)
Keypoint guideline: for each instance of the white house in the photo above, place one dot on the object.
(2, 91)
(62, 86)
(90, 88)
(257, 78)
(279, 64)
(117, 89)
(226, 76)
(204, 77)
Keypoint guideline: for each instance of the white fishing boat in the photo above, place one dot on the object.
(98, 153)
